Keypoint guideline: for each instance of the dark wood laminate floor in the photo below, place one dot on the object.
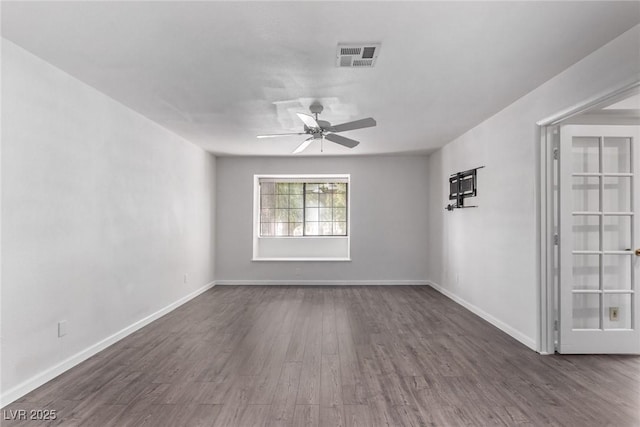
(334, 356)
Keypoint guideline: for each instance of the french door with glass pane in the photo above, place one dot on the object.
(599, 235)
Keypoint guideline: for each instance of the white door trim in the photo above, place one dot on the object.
(619, 92)
(547, 292)
(546, 245)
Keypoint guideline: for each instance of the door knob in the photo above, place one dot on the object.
(637, 252)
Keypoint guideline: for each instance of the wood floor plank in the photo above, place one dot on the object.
(353, 388)
(352, 355)
(295, 351)
(331, 416)
(284, 399)
(198, 415)
(236, 401)
(330, 381)
(255, 416)
(357, 416)
(264, 391)
(383, 413)
(329, 326)
(306, 416)
(309, 389)
(193, 415)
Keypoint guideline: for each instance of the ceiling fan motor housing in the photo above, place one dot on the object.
(316, 108)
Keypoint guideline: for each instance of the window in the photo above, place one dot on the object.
(301, 217)
(295, 207)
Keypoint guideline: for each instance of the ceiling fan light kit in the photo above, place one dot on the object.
(321, 129)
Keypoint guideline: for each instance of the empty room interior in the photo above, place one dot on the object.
(320, 213)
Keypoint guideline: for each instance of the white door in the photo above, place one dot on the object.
(599, 234)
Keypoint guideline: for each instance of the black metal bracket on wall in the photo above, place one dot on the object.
(462, 185)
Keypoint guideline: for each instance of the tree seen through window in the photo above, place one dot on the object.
(303, 209)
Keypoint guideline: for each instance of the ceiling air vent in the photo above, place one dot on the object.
(362, 55)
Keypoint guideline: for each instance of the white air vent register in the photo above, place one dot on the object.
(357, 55)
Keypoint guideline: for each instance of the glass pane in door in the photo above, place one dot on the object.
(616, 272)
(586, 272)
(585, 154)
(616, 155)
(586, 194)
(617, 192)
(586, 233)
(617, 233)
(586, 311)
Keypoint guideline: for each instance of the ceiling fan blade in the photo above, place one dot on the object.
(358, 124)
(304, 145)
(308, 120)
(275, 135)
(339, 139)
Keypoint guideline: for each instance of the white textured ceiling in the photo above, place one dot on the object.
(219, 73)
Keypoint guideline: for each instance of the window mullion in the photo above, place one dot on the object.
(289, 209)
(346, 210)
(304, 208)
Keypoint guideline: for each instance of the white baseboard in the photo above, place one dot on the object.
(531, 343)
(322, 282)
(49, 374)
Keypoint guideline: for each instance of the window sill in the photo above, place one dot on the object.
(303, 237)
(303, 259)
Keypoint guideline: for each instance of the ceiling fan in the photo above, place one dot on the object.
(321, 129)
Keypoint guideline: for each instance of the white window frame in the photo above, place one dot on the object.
(300, 248)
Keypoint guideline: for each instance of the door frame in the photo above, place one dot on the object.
(548, 208)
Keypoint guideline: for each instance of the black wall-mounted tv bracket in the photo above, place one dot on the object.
(459, 195)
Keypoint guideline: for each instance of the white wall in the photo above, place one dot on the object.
(388, 220)
(486, 258)
(103, 212)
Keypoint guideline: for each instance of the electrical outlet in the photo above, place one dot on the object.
(62, 328)
(614, 313)
(186, 278)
